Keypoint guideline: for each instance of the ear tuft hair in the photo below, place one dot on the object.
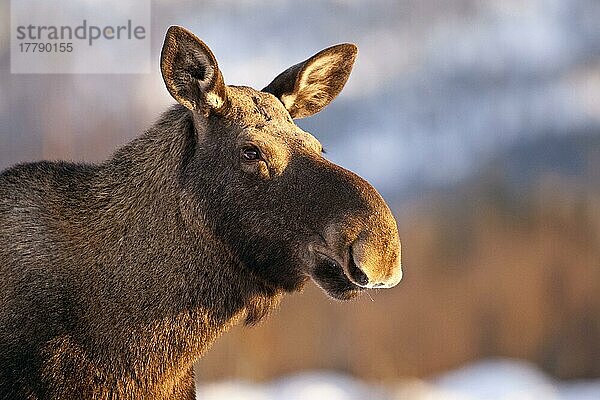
(307, 87)
(191, 72)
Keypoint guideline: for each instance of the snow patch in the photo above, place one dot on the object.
(496, 379)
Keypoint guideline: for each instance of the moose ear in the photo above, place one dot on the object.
(190, 71)
(307, 87)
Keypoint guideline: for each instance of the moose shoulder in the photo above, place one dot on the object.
(115, 278)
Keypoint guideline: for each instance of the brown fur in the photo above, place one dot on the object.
(117, 277)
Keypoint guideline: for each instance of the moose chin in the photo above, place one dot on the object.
(116, 277)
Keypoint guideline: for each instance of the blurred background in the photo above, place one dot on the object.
(478, 121)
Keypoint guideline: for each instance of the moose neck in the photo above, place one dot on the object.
(180, 285)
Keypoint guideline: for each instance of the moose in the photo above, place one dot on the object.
(116, 277)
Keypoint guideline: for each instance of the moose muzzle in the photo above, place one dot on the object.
(374, 261)
(363, 238)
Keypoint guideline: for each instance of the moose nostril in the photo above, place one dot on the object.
(357, 274)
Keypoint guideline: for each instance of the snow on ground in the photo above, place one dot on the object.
(485, 380)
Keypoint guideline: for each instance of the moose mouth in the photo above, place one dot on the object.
(330, 276)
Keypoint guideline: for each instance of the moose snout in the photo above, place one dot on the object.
(371, 257)
(374, 263)
(361, 234)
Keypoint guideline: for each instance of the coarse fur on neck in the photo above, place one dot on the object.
(165, 321)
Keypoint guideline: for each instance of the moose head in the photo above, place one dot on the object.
(262, 184)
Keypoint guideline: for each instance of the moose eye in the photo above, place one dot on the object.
(251, 153)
